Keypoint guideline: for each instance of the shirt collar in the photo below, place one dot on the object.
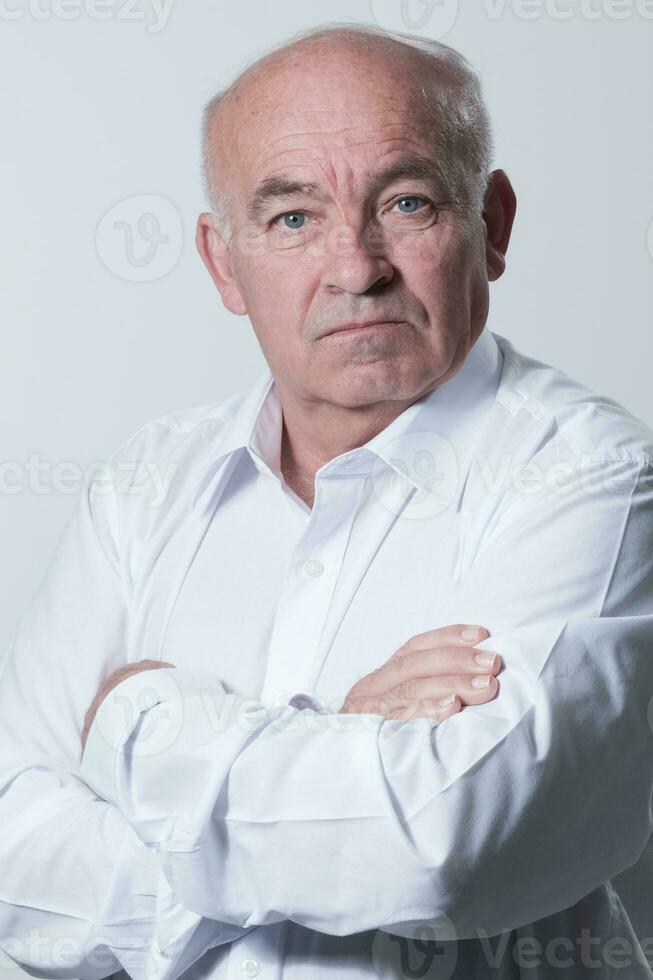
(429, 444)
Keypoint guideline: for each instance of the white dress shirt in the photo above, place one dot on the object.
(224, 820)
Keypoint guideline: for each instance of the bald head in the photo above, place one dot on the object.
(347, 68)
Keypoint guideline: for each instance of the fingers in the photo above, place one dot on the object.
(460, 634)
(426, 709)
(428, 667)
(475, 689)
(424, 691)
(446, 662)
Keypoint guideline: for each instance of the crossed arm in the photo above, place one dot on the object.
(431, 676)
(431, 821)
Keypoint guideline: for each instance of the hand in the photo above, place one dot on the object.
(427, 668)
(118, 675)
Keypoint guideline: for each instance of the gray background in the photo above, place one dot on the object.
(98, 338)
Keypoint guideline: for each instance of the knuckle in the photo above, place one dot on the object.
(399, 693)
(407, 648)
(385, 672)
(372, 684)
(386, 705)
(409, 690)
(432, 704)
(451, 634)
(365, 705)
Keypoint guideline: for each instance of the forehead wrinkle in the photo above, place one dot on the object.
(370, 66)
(281, 156)
(277, 153)
(279, 186)
(283, 180)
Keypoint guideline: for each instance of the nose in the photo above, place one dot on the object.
(354, 263)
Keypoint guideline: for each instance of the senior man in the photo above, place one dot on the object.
(269, 785)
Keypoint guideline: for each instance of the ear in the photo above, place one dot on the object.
(216, 257)
(500, 205)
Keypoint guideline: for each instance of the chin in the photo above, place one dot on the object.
(358, 384)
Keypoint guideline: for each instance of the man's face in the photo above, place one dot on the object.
(368, 233)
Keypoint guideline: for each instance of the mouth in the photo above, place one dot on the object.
(351, 329)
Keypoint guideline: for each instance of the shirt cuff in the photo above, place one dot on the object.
(103, 759)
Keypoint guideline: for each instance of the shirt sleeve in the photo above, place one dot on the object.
(81, 894)
(503, 814)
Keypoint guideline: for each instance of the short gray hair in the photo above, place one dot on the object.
(465, 128)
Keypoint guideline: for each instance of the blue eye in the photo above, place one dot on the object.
(412, 199)
(293, 219)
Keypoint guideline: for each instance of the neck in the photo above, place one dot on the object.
(313, 435)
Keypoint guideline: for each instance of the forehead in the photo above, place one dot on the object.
(341, 113)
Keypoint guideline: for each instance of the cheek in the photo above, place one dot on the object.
(277, 300)
(424, 256)
(275, 280)
(438, 267)
(257, 281)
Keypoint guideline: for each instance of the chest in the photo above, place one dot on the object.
(277, 600)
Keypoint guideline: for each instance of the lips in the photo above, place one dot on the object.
(363, 325)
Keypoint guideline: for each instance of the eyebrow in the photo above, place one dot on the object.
(413, 166)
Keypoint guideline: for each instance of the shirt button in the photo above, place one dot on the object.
(251, 967)
(313, 567)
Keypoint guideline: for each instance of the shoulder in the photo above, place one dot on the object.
(580, 424)
(160, 469)
(557, 462)
(206, 424)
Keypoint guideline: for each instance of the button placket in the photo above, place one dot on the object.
(308, 590)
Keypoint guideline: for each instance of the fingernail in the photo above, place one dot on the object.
(483, 681)
(485, 659)
(450, 698)
(471, 633)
